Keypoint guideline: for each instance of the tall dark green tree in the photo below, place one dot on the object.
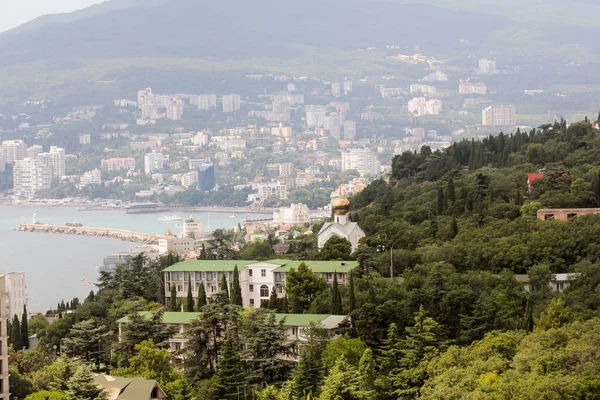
(25, 328)
(351, 295)
(310, 371)
(223, 286)
(302, 287)
(528, 320)
(451, 191)
(15, 334)
(336, 298)
(201, 297)
(453, 228)
(173, 300)
(440, 201)
(230, 378)
(189, 300)
(236, 289)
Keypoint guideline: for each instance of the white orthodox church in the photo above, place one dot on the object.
(340, 227)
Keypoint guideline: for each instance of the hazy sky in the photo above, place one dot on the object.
(16, 12)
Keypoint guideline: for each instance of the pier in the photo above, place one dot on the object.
(121, 234)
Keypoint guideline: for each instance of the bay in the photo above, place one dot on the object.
(61, 267)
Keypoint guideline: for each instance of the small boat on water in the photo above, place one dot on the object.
(170, 218)
(233, 216)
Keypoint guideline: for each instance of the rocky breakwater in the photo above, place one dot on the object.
(121, 234)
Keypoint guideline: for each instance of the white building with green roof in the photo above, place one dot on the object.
(257, 278)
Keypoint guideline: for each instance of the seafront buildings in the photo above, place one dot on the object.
(31, 175)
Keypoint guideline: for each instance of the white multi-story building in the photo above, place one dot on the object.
(257, 279)
(437, 76)
(207, 102)
(272, 189)
(296, 214)
(486, 66)
(349, 130)
(85, 139)
(176, 245)
(424, 89)
(315, 116)
(118, 164)
(347, 87)
(16, 290)
(336, 89)
(31, 175)
(57, 161)
(13, 150)
(34, 150)
(153, 162)
(174, 108)
(468, 87)
(361, 160)
(4, 316)
(146, 104)
(189, 179)
(93, 177)
(421, 106)
(231, 103)
(498, 116)
(286, 169)
(200, 139)
(192, 228)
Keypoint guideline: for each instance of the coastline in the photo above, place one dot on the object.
(121, 234)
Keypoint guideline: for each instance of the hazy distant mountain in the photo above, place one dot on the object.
(239, 28)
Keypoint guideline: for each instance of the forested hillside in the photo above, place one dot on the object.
(453, 323)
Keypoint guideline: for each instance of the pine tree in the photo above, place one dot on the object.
(518, 198)
(453, 228)
(336, 299)
(203, 253)
(82, 386)
(440, 201)
(351, 296)
(201, 297)
(451, 191)
(229, 379)
(274, 303)
(189, 301)
(173, 301)
(236, 289)
(223, 286)
(367, 370)
(342, 382)
(15, 334)
(528, 320)
(25, 328)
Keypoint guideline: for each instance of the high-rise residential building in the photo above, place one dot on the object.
(16, 290)
(468, 87)
(146, 103)
(422, 106)
(335, 132)
(31, 175)
(231, 103)
(85, 139)
(57, 161)
(4, 315)
(424, 89)
(189, 179)
(93, 177)
(486, 66)
(206, 178)
(349, 130)
(153, 162)
(13, 150)
(174, 108)
(361, 160)
(347, 87)
(207, 102)
(498, 116)
(34, 150)
(286, 169)
(272, 189)
(315, 116)
(118, 164)
(336, 89)
(296, 214)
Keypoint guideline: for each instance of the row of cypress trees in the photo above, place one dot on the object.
(18, 331)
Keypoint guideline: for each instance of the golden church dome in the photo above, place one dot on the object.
(340, 205)
(169, 233)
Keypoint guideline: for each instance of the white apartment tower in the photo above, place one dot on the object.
(146, 103)
(153, 162)
(336, 89)
(93, 177)
(31, 175)
(421, 106)
(486, 66)
(347, 87)
(498, 116)
(349, 130)
(57, 161)
(4, 315)
(231, 103)
(16, 291)
(207, 102)
(13, 150)
(174, 108)
(361, 160)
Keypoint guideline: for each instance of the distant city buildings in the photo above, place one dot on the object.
(93, 177)
(174, 108)
(336, 89)
(272, 189)
(85, 139)
(4, 316)
(424, 89)
(421, 106)
(349, 130)
(347, 87)
(498, 116)
(315, 116)
(189, 179)
(468, 87)
(207, 102)
(11, 151)
(231, 103)
(153, 162)
(151, 105)
(436, 76)
(296, 214)
(31, 175)
(118, 164)
(16, 291)
(487, 67)
(206, 177)
(361, 160)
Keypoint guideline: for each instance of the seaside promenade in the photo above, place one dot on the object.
(125, 235)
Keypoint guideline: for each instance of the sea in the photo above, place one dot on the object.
(59, 267)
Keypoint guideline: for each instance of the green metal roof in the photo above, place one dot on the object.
(316, 266)
(209, 265)
(172, 317)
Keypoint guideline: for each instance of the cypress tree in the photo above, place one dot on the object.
(15, 334)
(229, 378)
(440, 201)
(236, 289)
(351, 296)
(528, 321)
(189, 301)
(223, 286)
(286, 305)
(596, 186)
(173, 301)
(451, 191)
(453, 228)
(518, 198)
(273, 301)
(201, 297)
(336, 299)
(25, 328)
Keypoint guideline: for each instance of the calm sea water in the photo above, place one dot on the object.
(63, 266)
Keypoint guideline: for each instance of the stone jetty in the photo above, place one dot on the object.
(127, 236)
